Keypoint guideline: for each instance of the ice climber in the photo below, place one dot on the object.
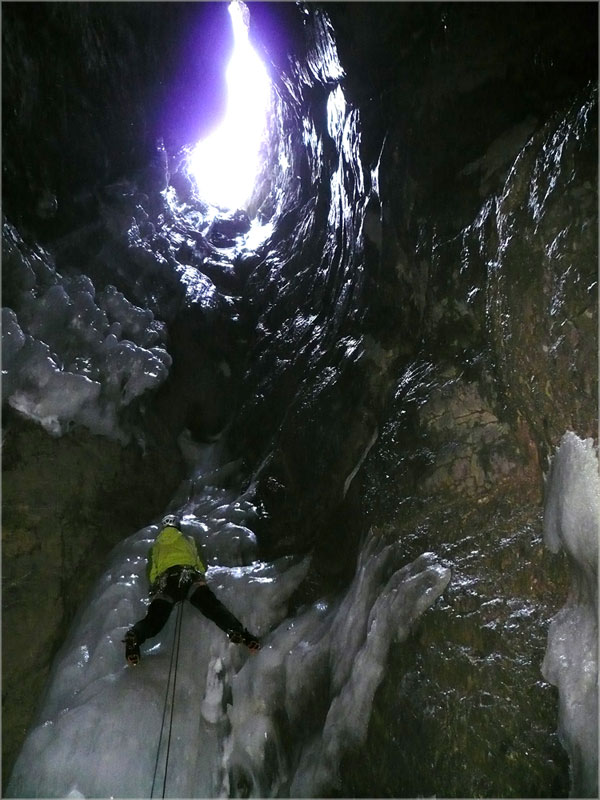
(176, 572)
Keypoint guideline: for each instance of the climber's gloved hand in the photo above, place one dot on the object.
(251, 643)
(245, 637)
(235, 637)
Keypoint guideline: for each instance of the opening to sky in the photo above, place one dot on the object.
(224, 166)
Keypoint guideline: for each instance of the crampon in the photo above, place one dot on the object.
(132, 649)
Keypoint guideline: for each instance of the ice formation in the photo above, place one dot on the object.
(273, 724)
(71, 354)
(571, 523)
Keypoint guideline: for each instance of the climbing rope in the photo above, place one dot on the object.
(173, 663)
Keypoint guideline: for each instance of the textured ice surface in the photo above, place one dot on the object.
(571, 523)
(276, 723)
(71, 354)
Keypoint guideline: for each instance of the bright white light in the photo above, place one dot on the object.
(225, 164)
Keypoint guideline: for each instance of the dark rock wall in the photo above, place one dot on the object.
(479, 323)
(387, 303)
(491, 275)
(446, 97)
(309, 367)
(88, 88)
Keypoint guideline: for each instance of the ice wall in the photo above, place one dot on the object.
(273, 724)
(571, 520)
(71, 354)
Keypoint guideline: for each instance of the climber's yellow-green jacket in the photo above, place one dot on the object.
(172, 549)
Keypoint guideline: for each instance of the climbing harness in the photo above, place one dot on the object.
(172, 669)
(187, 575)
(190, 576)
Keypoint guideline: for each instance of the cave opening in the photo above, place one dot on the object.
(225, 164)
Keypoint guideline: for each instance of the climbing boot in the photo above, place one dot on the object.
(132, 649)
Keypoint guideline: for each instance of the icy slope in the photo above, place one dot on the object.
(272, 724)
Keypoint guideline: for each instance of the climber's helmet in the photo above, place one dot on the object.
(170, 521)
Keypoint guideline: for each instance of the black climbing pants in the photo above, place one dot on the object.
(176, 584)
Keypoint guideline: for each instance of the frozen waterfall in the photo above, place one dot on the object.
(273, 724)
(571, 519)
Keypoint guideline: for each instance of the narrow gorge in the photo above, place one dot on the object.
(370, 391)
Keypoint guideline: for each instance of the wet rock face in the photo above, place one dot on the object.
(474, 276)
(513, 295)
(447, 474)
(458, 690)
(543, 287)
(446, 81)
(444, 113)
(474, 450)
